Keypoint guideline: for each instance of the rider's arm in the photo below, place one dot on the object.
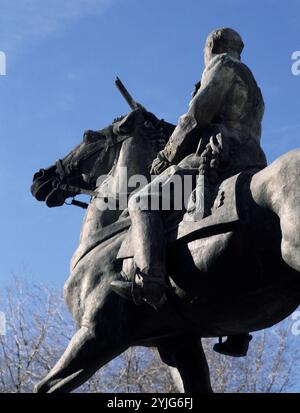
(203, 108)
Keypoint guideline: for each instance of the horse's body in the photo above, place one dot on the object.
(239, 278)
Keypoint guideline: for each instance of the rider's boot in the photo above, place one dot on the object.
(148, 283)
(235, 345)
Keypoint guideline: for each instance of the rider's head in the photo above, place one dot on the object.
(223, 40)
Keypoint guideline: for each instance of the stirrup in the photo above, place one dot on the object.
(139, 286)
(133, 289)
(122, 288)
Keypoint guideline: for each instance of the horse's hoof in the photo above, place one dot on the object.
(122, 288)
(39, 388)
(234, 346)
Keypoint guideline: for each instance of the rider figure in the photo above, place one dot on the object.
(225, 116)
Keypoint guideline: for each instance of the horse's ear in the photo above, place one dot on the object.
(128, 123)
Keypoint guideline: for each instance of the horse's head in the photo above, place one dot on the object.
(79, 169)
(95, 156)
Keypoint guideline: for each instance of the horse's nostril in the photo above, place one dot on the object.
(39, 174)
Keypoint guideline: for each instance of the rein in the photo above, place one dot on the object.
(111, 140)
(76, 190)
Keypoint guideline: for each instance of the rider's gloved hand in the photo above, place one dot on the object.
(220, 148)
(159, 164)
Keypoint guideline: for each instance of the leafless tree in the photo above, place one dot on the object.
(38, 328)
(271, 366)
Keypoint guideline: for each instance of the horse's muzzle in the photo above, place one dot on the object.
(45, 187)
(56, 198)
(42, 183)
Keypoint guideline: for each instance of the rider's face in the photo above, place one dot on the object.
(208, 55)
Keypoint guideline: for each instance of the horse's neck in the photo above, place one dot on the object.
(133, 157)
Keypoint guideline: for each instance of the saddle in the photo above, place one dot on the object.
(224, 215)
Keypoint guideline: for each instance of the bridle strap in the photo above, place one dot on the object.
(111, 140)
(60, 169)
(76, 190)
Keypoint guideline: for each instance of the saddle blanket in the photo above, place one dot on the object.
(224, 214)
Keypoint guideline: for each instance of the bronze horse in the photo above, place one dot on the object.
(232, 278)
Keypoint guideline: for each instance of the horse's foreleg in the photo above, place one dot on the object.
(85, 354)
(188, 356)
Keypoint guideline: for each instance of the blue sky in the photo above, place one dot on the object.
(62, 57)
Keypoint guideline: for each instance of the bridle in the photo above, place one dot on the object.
(111, 141)
(64, 172)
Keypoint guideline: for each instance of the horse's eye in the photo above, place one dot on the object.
(90, 136)
(86, 136)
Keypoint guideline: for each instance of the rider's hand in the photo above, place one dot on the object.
(220, 148)
(159, 164)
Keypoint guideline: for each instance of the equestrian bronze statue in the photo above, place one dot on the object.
(225, 264)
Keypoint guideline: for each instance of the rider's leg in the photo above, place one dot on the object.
(147, 235)
(148, 240)
(149, 255)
